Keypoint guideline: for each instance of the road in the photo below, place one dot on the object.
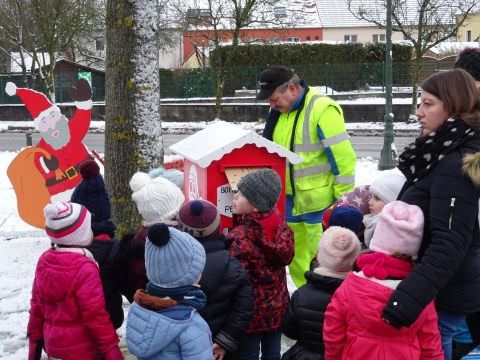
(364, 145)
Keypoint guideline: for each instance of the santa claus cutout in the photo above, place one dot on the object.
(50, 170)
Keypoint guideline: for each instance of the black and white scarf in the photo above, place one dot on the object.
(425, 152)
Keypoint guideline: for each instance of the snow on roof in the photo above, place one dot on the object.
(340, 16)
(265, 15)
(221, 138)
(16, 61)
(453, 47)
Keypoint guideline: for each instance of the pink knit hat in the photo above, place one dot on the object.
(337, 251)
(399, 230)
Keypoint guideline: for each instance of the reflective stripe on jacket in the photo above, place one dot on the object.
(328, 166)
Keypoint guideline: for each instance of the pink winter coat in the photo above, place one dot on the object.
(354, 329)
(67, 309)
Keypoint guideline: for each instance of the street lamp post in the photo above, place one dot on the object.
(387, 160)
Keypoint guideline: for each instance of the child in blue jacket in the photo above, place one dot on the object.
(164, 323)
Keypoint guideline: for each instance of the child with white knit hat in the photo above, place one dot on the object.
(158, 200)
(337, 251)
(67, 308)
(364, 293)
(384, 189)
(164, 323)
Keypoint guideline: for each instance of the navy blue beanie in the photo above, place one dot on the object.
(92, 194)
(348, 217)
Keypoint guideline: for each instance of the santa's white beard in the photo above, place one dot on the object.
(62, 133)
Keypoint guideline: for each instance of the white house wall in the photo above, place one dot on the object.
(171, 57)
(364, 34)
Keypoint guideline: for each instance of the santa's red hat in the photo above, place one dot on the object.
(36, 103)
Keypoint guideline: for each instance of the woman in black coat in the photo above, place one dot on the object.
(442, 168)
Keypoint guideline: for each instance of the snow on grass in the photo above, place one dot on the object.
(20, 247)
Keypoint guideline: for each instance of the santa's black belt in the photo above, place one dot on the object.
(70, 173)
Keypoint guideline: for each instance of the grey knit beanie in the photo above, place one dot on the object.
(173, 258)
(261, 188)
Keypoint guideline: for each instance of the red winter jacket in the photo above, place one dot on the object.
(69, 157)
(354, 329)
(67, 309)
(264, 245)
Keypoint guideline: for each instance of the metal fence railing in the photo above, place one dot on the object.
(192, 83)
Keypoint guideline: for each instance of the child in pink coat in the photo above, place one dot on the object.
(68, 319)
(353, 326)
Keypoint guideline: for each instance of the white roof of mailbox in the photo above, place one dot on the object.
(221, 138)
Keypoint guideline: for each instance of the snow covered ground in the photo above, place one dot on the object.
(20, 247)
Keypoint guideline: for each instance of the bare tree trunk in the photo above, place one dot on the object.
(146, 81)
(50, 79)
(133, 140)
(416, 78)
(219, 85)
(120, 142)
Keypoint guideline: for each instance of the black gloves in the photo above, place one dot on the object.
(80, 91)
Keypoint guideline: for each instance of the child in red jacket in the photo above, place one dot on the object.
(68, 318)
(264, 244)
(363, 295)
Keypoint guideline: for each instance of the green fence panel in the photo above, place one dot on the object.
(191, 83)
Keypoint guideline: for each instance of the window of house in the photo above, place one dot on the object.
(350, 38)
(379, 38)
(99, 45)
(308, 38)
(293, 39)
(280, 10)
(469, 35)
(316, 37)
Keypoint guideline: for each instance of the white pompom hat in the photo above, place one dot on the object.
(158, 200)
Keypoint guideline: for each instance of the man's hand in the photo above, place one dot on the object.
(218, 352)
(80, 91)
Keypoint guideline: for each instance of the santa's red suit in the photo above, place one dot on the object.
(61, 170)
(69, 157)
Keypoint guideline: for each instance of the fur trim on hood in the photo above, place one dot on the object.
(471, 167)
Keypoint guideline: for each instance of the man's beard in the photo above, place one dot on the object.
(63, 134)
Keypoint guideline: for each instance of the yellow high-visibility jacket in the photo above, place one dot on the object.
(321, 139)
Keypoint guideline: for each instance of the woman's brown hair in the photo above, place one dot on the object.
(456, 88)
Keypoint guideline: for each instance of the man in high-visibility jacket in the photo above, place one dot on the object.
(311, 125)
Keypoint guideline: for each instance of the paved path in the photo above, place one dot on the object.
(364, 145)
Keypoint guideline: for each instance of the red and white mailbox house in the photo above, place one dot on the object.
(219, 155)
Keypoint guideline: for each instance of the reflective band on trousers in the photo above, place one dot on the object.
(345, 179)
(314, 170)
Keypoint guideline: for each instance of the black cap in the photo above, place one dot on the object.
(272, 78)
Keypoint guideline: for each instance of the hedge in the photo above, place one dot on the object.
(339, 66)
(251, 55)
